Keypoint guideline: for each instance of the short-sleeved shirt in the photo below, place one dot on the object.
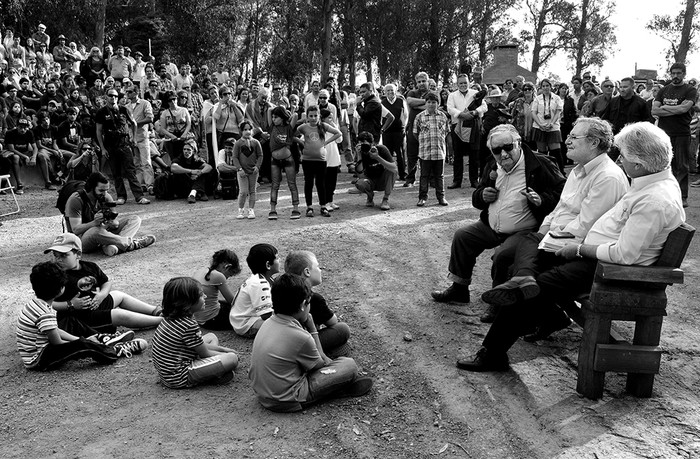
(46, 136)
(84, 280)
(283, 353)
(253, 300)
(193, 162)
(35, 320)
(21, 142)
(319, 310)
(116, 124)
(72, 132)
(174, 346)
(373, 169)
(676, 125)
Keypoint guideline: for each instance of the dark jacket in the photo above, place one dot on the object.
(370, 113)
(541, 174)
(636, 111)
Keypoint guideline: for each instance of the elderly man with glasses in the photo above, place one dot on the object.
(517, 190)
(632, 232)
(595, 184)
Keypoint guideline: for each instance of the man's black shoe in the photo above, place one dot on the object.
(456, 293)
(490, 314)
(484, 361)
(544, 331)
(454, 186)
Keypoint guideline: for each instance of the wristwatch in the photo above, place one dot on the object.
(70, 305)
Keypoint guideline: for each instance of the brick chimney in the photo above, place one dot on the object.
(505, 54)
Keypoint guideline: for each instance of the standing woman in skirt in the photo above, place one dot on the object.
(547, 109)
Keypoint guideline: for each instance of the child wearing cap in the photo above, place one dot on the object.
(43, 345)
(88, 295)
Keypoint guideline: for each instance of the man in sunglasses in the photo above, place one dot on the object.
(518, 188)
(115, 130)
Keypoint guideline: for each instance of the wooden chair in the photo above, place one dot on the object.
(635, 294)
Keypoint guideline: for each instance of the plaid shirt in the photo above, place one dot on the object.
(431, 131)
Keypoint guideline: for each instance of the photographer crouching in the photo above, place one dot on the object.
(90, 215)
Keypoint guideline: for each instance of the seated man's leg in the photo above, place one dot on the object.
(99, 237)
(505, 255)
(128, 226)
(468, 243)
(367, 186)
(43, 160)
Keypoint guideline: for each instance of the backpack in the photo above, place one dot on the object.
(66, 191)
(162, 187)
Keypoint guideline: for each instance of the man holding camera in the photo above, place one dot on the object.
(90, 215)
(377, 168)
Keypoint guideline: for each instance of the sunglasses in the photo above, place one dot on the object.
(113, 95)
(86, 149)
(608, 86)
(497, 150)
(225, 93)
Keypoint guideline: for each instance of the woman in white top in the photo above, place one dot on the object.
(546, 116)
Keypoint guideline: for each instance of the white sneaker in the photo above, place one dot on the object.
(240, 214)
(329, 207)
(251, 214)
(334, 206)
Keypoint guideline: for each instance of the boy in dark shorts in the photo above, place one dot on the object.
(88, 294)
(43, 345)
(333, 335)
(287, 370)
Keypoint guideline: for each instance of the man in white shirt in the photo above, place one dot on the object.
(632, 232)
(183, 79)
(592, 188)
(142, 113)
(458, 107)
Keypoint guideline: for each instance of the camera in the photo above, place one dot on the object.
(548, 116)
(107, 213)
(365, 147)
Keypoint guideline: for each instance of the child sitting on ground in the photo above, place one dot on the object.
(253, 303)
(333, 335)
(286, 368)
(214, 316)
(44, 346)
(181, 355)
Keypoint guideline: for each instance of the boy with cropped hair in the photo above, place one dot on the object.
(42, 345)
(287, 370)
(333, 335)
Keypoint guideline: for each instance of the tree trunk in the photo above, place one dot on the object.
(256, 40)
(537, 39)
(327, 39)
(684, 46)
(100, 23)
(581, 37)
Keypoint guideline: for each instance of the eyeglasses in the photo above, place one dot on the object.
(608, 86)
(574, 137)
(322, 98)
(497, 150)
(113, 95)
(528, 89)
(86, 149)
(225, 93)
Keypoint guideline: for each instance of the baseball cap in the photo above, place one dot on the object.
(65, 242)
(23, 122)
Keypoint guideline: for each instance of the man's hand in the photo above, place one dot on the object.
(105, 153)
(567, 252)
(532, 196)
(490, 194)
(31, 161)
(374, 153)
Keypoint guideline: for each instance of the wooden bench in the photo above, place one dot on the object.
(634, 294)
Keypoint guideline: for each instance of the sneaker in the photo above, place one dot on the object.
(251, 214)
(324, 212)
(272, 215)
(49, 186)
(241, 214)
(334, 206)
(309, 212)
(135, 346)
(295, 215)
(110, 339)
(329, 207)
(191, 199)
(121, 201)
(224, 379)
(142, 242)
(385, 204)
(150, 190)
(19, 189)
(143, 201)
(695, 184)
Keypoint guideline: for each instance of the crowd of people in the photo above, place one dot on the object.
(170, 132)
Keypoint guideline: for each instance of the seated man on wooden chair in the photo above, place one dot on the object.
(633, 232)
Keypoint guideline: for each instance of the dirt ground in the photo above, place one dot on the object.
(379, 268)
